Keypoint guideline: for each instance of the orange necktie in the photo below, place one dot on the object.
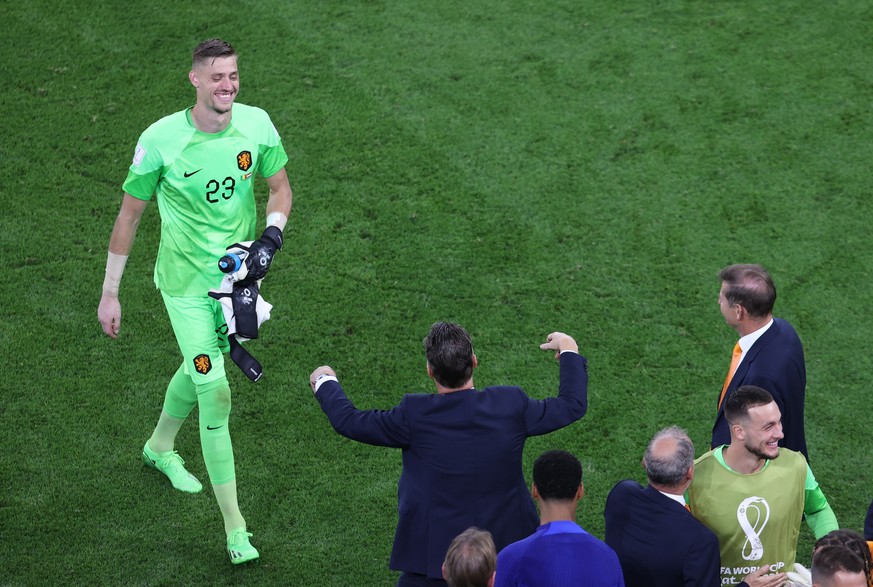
(735, 360)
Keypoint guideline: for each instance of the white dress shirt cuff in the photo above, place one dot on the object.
(322, 379)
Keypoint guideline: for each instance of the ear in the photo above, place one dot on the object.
(580, 493)
(533, 491)
(192, 77)
(643, 462)
(443, 570)
(475, 361)
(491, 580)
(738, 431)
(429, 371)
(689, 474)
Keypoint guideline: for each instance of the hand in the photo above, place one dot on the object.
(261, 253)
(558, 341)
(760, 578)
(800, 577)
(323, 370)
(109, 314)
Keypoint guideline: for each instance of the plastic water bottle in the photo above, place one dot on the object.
(230, 263)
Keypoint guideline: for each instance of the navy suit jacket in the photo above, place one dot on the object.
(775, 362)
(658, 542)
(462, 459)
(868, 523)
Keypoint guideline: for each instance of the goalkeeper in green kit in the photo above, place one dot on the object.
(200, 166)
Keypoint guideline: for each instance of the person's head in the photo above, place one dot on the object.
(747, 291)
(449, 352)
(215, 75)
(669, 459)
(755, 421)
(471, 560)
(854, 542)
(557, 476)
(837, 566)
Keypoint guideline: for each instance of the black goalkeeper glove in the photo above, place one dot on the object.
(261, 254)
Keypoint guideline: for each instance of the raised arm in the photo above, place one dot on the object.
(544, 416)
(377, 427)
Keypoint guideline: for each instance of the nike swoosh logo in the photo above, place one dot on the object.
(186, 174)
(213, 427)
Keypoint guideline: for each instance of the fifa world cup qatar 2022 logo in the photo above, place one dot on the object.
(753, 514)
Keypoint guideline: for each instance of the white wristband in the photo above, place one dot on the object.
(277, 219)
(114, 270)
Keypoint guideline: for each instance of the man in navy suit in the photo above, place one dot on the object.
(462, 448)
(768, 354)
(658, 542)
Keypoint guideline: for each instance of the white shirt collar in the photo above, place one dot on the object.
(677, 498)
(747, 341)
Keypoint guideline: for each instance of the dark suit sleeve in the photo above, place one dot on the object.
(378, 427)
(544, 416)
(703, 563)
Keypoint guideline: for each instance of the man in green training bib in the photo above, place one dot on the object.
(200, 165)
(752, 500)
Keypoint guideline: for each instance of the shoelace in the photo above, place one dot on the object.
(173, 460)
(238, 538)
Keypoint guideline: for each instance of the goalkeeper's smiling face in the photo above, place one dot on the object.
(217, 83)
(763, 431)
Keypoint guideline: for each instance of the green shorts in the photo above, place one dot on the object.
(201, 333)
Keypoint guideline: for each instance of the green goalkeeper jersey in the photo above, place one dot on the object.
(204, 184)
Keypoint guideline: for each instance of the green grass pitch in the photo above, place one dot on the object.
(518, 167)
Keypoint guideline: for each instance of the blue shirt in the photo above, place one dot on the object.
(558, 554)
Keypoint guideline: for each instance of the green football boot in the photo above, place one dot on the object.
(239, 548)
(171, 464)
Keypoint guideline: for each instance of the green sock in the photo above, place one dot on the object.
(164, 434)
(181, 396)
(225, 494)
(179, 400)
(214, 405)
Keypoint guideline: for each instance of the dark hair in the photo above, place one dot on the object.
(669, 467)
(854, 542)
(829, 560)
(471, 559)
(745, 397)
(557, 475)
(751, 287)
(211, 49)
(449, 352)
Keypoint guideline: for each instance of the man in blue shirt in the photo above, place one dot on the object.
(559, 553)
